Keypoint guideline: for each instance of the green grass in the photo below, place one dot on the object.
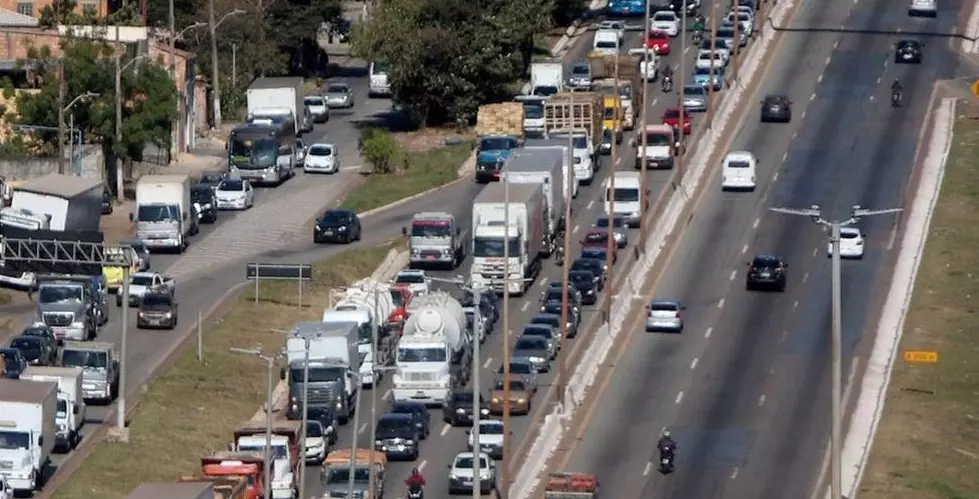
(927, 445)
(192, 408)
(426, 170)
(5, 298)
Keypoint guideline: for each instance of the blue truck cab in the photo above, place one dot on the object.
(491, 153)
(626, 8)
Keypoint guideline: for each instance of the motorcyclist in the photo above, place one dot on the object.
(896, 90)
(698, 22)
(667, 74)
(415, 481)
(666, 446)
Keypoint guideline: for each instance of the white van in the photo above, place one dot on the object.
(606, 42)
(738, 171)
(379, 85)
(627, 199)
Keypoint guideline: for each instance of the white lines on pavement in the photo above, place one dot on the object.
(734, 273)
(523, 308)
(708, 331)
(805, 277)
(618, 161)
(686, 49)
(785, 156)
(655, 101)
(775, 177)
(827, 60)
(836, 43)
(879, 78)
(387, 395)
(815, 252)
(734, 474)
(542, 283)
(812, 97)
(575, 229)
(679, 397)
(647, 469)
(803, 116)
(891, 238)
(754, 225)
(362, 428)
(744, 249)
(445, 430)
(785, 332)
(819, 78)
(720, 304)
(761, 400)
(871, 97)
(509, 332)
(487, 363)
(693, 363)
(795, 134)
(590, 204)
(795, 304)
(422, 464)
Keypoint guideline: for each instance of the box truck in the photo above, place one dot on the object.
(163, 211)
(55, 202)
(275, 99)
(70, 413)
(516, 220)
(27, 432)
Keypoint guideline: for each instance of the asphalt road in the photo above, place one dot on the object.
(745, 388)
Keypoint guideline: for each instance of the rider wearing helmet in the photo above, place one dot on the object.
(415, 481)
(667, 71)
(666, 445)
(896, 86)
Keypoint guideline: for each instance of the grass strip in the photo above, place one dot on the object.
(192, 408)
(426, 170)
(927, 446)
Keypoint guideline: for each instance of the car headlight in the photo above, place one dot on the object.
(484, 411)
(496, 400)
(409, 442)
(543, 308)
(460, 411)
(378, 442)
(207, 206)
(590, 292)
(453, 476)
(521, 400)
(342, 228)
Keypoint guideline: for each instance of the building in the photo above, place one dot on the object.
(33, 8)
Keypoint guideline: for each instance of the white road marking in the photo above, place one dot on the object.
(445, 430)
(879, 78)
(693, 364)
(734, 273)
(487, 363)
(543, 282)
(754, 225)
(815, 252)
(827, 61)
(575, 229)
(422, 464)
(819, 78)
(891, 238)
(655, 100)
(708, 331)
(523, 308)
(785, 156)
(720, 304)
(761, 400)
(590, 204)
(744, 249)
(795, 133)
(387, 395)
(795, 304)
(775, 177)
(618, 161)
(647, 469)
(802, 117)
(734, 474)
(836, 43)
(812, 97)
(805, 277)
(871, 97)
(679, 397)
(362, 428)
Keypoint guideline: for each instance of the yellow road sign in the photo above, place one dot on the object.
(975, 88)
(920, 357)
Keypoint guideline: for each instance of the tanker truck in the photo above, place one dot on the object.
(434, 354)
(372, 301)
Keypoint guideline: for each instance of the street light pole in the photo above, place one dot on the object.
(642, 131)
(216, 98)
(506, 336)
(355, 377)
(610, 233)
(836, 367)
(477, 322)
(562, 379)
(270, 360)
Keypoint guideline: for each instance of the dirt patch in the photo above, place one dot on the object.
(431, 138)
(927, 446)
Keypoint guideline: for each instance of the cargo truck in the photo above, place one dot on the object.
(248, 466)
(434, 353)
(70, 414)
(546, 78)
(27, 432)
(583, 154)
(570, 176)
(435, 238)
(278, 100)
(163, 211)
(524, 234)
(581, 111)
(55, 202)
(500, 131)
(543, 167)
(626, 83)
(533, 115)
(251, 437)
(333, 358)
(179, 490)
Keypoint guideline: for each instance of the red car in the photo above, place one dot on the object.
(659, 41)
(597, 238)
(672, 117)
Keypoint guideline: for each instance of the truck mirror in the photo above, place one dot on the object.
(282, 373)
(404, 231)
(185, 216)
(132, 217)
(458, 231)
(40, 441)
(74, 409)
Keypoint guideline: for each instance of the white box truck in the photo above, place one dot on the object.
(70, 413)
(524, 234)
(543, 167)
(27, 432)
(570, 177)
(163, 211)
(56, 202)
(546, 78)
(270, 98)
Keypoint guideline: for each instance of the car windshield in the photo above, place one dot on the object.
(318, 374)
(334, 216)
(156, 300)
(200, 193)
(515, 385)
(596, 253)
(689, 90)
(580, 276)
(596, 238)
(907, 45)
(585, 265)
(142, 280)
(538, 329)
(313, 101)
(580, 70)
(231, 185)
(26, 343)
(672, 113)
(844, 235)
(525, 343)
(705, 72)
(657, 139)
(658, 36)
(707, 45)
(341, 476)
(519, 368)
(738, 164)
(545, 90)
(725, 33)
(602, 222)
(550, 320)
(397, 297)
(430, 228)
(421, 355)
(320, 151)
(410, 279)
(60, 294)
(764, 262)
(38, 332)
(664, 16)
(663, 306)
(497, 144)
(314, 429)
(606, 44)
(84, 359)
(490, 428)
(403, 409)
(466, 463)
(626, 194)
(463, 397)
(533, 110)
(553, 294)
(338, 89)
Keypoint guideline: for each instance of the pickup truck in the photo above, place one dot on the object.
(142, 282)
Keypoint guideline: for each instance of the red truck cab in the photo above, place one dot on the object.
(249, 465)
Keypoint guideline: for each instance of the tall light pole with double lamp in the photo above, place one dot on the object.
(71, 130)
(270, 361)
(216, 82)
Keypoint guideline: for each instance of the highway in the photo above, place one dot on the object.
(745, 387)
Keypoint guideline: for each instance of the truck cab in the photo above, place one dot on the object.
(119, 257)
(612, 116)
(71, 409)
(435, 238)
(100, 369)
(492, 151)
(662, 145)
(250, 437)
(67, 306)
(628, 96)
(27, 429)
(533, 115)
(337, 471)
(249, 466)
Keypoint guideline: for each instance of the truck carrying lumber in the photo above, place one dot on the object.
(603, 66)
(501, 120)
(224, 487)
(583, 111)
(563, 485)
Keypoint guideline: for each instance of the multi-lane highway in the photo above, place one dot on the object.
(745, 387)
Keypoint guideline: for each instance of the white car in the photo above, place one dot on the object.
(851, 243)
(926, 8)
(616, 26)
(318, 108)
(718, 47)
(738, 171)
(746, 22)
(648, 63)
(321, 158)
(415, 280)
(666, 21)
(707, 58)
(664, 315)
(235, 193)
(490, 438)
(461, 474)
(316, 442)
(744, 8)
(368, 376)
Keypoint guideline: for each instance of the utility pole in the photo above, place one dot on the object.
(180, 87)
(506, 336)
(642, 133)
(62, 95)
(215, 81)
(610, 233)
(562, 378)
(710, 78)
(681, 82)
(477, 449)
(353, 429)
(836, 361)
(305, 415)
(736, 50)
(270, 382)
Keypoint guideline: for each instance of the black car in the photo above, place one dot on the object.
(605, 146)
(550, 301)
(599, 253)
(584, 281)
(908, 51)
(553, 320)
(14, 362)
(212, 179)
(596, 267)
(36, 351)
(417, 411)
(767, 272)
(458, 409)
(337, 225)
(776, 108)
(43, 332)
(397, 437)
(203, 195)
(157, 310)
(487, 305)
(328, 419)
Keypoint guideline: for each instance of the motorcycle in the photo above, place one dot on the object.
(667, 84)
(895, 98)
(666, 461)
(415, 493)
(559, 256)
(698, 36)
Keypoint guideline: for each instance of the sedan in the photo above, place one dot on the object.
(235, 193)
(416, 281)
(776, 107)
(520, 397)
(596, 267)
(659, 41)
(549, 333)
(321, 158)
(339, 95)
(618, 229)
(553, 320)
(599, 253)
(745, 20)
(672, 116)
(584, 282)
(667, 21)
(580, 76)
(766, 272)
(337, 225)
(720, 48)
(490, 437)
(14, 363)
(851, 243)
(664, 315)
(708, 77)
(43, 332)
(212, 179)
(695, 98)
(418, 412)
(36, 351)
(317, 108)
(708, 58)
(908, 52)
(535, 350)
(521, 369)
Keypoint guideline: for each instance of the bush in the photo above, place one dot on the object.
(380, 150)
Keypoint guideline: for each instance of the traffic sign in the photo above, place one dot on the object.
(920, 357)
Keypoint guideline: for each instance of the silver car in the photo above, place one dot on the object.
(318, 108)
(664, 315)
(339, 95)
(695, 98)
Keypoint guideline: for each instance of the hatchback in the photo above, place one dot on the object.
(664, 315)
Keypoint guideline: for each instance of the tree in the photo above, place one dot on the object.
(380, 150)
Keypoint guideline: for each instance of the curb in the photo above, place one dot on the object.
(379, 209)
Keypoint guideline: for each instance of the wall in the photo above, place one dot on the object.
(33, 7)
(28, 168)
